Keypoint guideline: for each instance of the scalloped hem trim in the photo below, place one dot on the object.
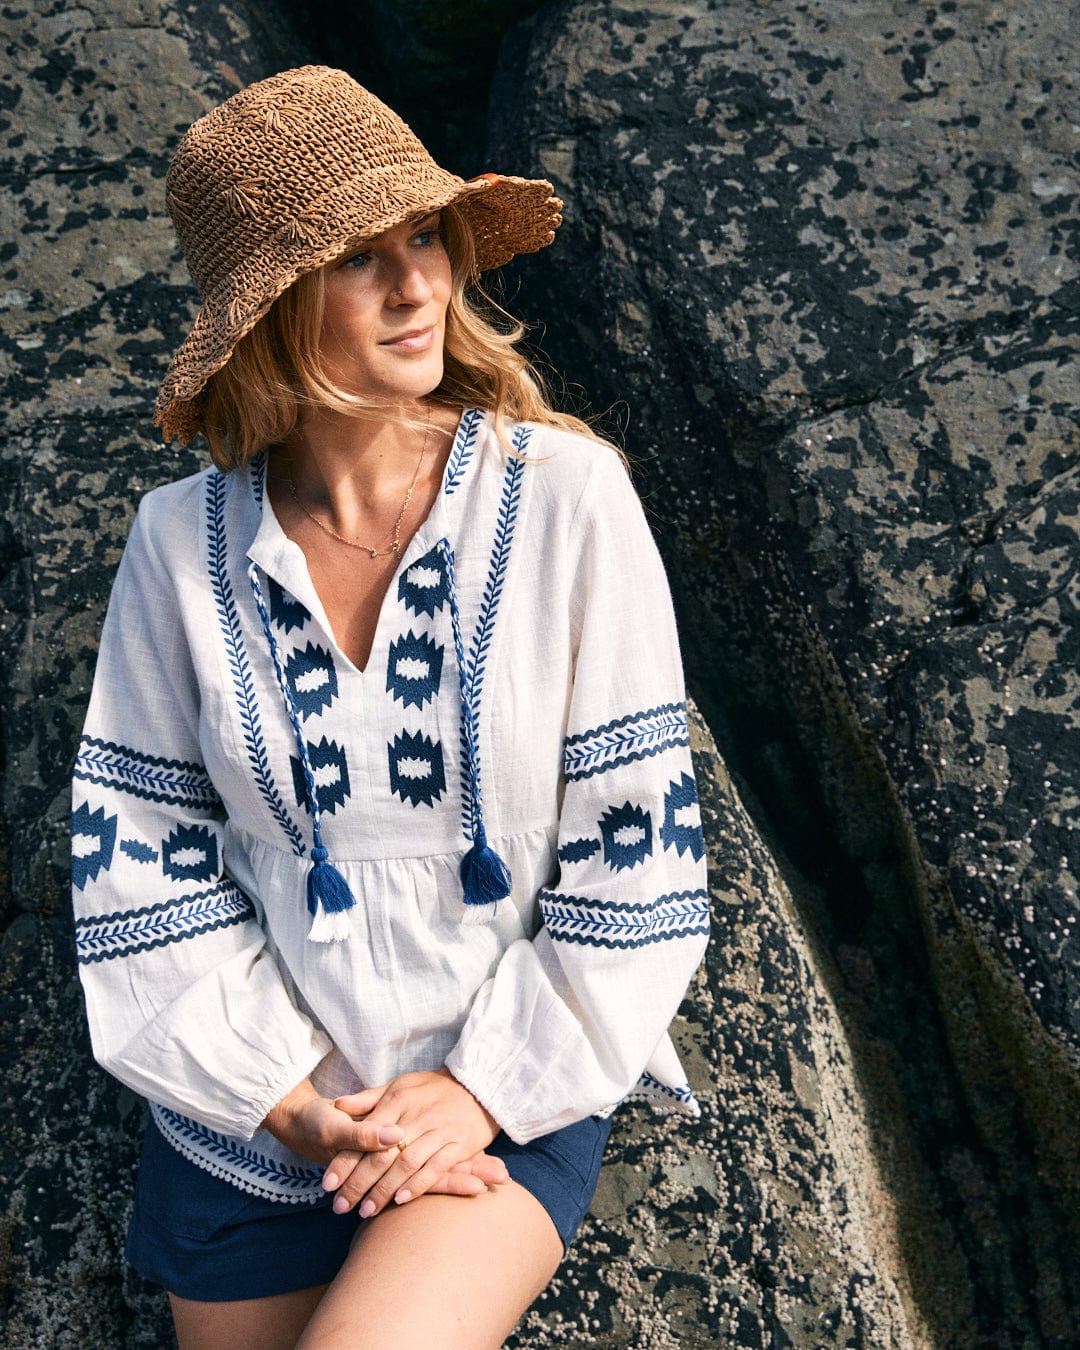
(664, 1098)
(225, 1158)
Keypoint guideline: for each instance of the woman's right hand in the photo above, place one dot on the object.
(315, 1128)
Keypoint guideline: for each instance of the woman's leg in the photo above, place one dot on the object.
(439, 1273)
(273, 1323)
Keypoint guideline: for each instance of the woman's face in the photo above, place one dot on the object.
(384, 320)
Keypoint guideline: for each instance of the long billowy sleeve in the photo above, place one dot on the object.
(185, 1003)
(570, 1022)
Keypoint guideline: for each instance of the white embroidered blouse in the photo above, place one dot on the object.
(524, 679)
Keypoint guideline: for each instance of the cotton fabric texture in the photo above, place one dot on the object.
(192, 834)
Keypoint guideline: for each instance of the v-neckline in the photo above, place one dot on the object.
(283, 559)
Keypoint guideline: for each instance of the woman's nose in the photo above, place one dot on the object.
(410, 285)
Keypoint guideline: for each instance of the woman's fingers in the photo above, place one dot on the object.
(486, 1167)
(360, 1103)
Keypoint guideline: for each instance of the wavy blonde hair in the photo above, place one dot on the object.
(254, 401)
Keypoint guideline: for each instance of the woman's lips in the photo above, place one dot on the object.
(416, 340)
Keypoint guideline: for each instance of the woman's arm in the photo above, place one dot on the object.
(569, 1021)
(185, 1003)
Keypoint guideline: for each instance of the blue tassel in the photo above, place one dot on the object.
(325, 884)
(485, 878)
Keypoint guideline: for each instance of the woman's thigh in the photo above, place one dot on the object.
(273, 1323)
(440, 1273)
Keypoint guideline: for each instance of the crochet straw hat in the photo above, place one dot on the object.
(291, 173)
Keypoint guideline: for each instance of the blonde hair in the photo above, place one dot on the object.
(254, 400)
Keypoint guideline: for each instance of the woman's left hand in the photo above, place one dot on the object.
(444, 1126)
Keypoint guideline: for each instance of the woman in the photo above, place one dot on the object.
(387, 863)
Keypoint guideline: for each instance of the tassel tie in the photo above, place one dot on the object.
(328, 896)
(485, 877)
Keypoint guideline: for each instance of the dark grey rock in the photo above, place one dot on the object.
(825, 256)
(887, 1152)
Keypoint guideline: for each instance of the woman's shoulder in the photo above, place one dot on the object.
(179, 500)
(168, 516)
(567, 463)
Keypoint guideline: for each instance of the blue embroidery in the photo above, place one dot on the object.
(423, 587)
(312, 679)
(286, 612)
(485, 624)
(416, 768)
(627, 834)
(649, 1086)
(190, 853)
(463, 449)
(138, 851)
(414, 669)
(258, 477)
(636, 736)
(128, 932)
(265, 1176)
(594, 923)
(681, 829)
(93, 838)
(578, 850)
(331, 772)
(176, 781)
(240, 667)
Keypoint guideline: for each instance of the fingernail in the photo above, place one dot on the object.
(402, 1197)
(367, 1209)
(341, 1205)
(390, 1134)
(331, 1181)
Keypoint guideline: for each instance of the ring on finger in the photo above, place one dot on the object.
(401, 1146)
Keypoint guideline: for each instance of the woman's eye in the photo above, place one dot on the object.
(357, 260)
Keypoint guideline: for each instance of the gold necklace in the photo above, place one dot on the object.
(395, 540)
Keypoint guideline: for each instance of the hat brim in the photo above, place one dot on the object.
(507, 216)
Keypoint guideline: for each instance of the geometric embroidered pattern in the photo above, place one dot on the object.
(312, 679)
(416, 768)
(681, 829)
(578, 850)
(190, 853)
(330, 771)
(238, 1162)
(286, 612)
(148, 776)
(414, 669)
(627, 834)
(93, 838)
(239, 666)
(598, 923)
(102, 937)
(137, 851)
(636, 736)
(423, 587)
(464, 446)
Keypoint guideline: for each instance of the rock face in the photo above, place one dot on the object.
(827, 271)
(824, 254)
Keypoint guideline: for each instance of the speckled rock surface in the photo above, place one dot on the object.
(92, 98)
(888, 1140)
(826, 254)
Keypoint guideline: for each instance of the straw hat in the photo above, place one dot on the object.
(291, 173)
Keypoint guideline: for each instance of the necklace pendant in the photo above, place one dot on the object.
(374, 552)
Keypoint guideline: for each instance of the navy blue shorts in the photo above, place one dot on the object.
(202, 1238)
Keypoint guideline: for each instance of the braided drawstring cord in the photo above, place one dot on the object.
(328, 896)
(485, 877)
